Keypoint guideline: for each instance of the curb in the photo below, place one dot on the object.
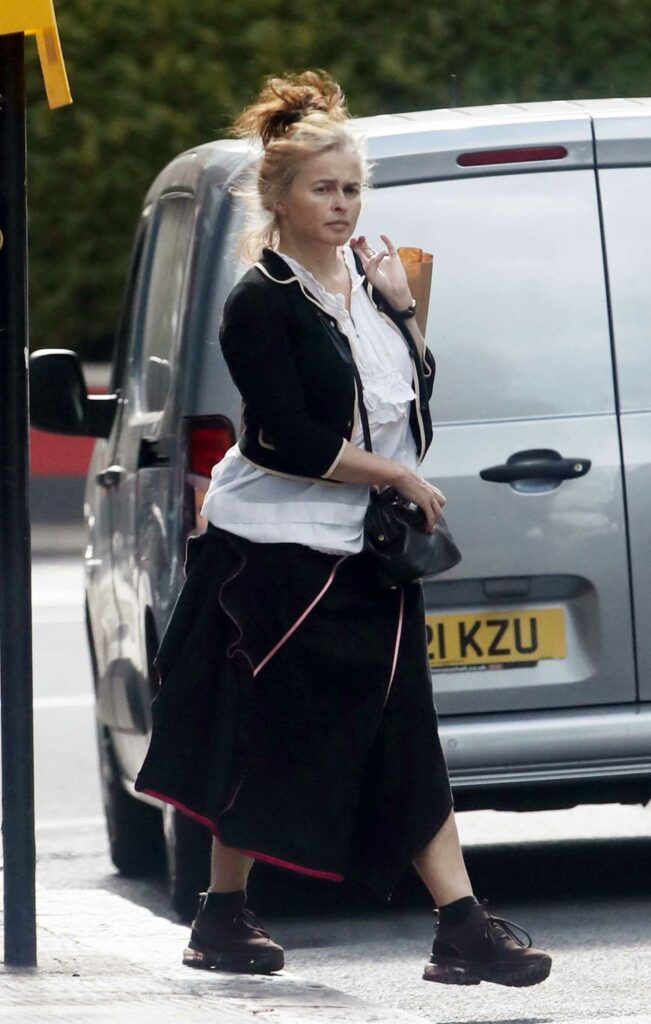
(102, 958)
(58, 540)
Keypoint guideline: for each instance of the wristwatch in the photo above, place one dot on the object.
(406, 314)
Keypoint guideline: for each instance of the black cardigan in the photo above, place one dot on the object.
(293, 367)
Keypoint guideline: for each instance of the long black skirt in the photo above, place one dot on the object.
(295, 716)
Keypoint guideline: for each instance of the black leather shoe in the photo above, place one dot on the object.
(485, 948)
(228, 936)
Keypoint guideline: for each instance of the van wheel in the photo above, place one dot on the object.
(134, 828)
(188, 846)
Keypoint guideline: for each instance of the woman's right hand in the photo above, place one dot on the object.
(424, 494)
(356, 466)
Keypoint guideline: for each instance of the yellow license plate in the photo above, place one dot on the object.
(496, 637)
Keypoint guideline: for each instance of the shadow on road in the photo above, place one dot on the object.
(550, 872)
(531, 872)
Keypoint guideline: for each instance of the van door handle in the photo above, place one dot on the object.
(110, 477)
(536, 463)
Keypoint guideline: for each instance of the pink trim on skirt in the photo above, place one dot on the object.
(301, 617)
(331, 875)
(397, 644)
(256, 854)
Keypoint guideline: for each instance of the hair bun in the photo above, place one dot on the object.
(285, 101)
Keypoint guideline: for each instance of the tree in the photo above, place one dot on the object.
(150, 80)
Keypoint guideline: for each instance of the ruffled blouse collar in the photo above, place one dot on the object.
(333, 301)
(380, 354)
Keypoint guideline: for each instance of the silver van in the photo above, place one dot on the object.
(539, 219)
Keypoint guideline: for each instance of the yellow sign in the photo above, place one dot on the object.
(36, 17)
(496, 637)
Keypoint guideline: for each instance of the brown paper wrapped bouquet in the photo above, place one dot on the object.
(418, 268)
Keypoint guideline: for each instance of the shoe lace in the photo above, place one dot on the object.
(506, 928)
(251, 921)
(500, 925)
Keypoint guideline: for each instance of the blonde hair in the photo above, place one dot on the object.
(293, 117)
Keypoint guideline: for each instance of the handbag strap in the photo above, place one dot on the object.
(362, 408)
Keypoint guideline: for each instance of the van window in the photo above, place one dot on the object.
(213, 389)
(627, 224)
(517, 318)
(163, 305)
(125, 324)
(226, 264)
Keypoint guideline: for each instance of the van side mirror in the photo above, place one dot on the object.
(59, 401)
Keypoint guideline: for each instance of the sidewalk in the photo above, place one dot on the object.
(102, 958)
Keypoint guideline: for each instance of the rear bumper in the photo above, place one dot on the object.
(578, 745)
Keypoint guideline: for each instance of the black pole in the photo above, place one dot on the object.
(19, 846)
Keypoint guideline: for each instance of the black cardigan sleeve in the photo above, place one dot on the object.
(255, 340)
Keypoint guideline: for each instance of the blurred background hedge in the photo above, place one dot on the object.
(151, 79)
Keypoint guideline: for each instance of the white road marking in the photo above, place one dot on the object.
(76, 700)
(54, 823)
(53, 616)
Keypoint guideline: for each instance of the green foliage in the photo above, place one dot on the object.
(151, 79)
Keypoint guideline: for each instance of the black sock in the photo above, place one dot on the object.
(457, 912)
(223, 899)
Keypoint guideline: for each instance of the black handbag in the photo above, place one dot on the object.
(403, 550)
(395, 530)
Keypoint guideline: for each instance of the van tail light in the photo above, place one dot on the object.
(208, 440)
(511, 156)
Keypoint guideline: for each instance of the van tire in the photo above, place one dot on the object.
(188, 847)
(134, 828)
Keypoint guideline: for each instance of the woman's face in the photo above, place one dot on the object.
(323, 202)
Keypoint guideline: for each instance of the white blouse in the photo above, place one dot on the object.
(263, 507)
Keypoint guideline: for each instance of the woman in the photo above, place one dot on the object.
(295, 716)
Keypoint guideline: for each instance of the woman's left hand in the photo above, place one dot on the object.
(384, 270)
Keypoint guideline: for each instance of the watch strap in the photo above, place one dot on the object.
(406, 314)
